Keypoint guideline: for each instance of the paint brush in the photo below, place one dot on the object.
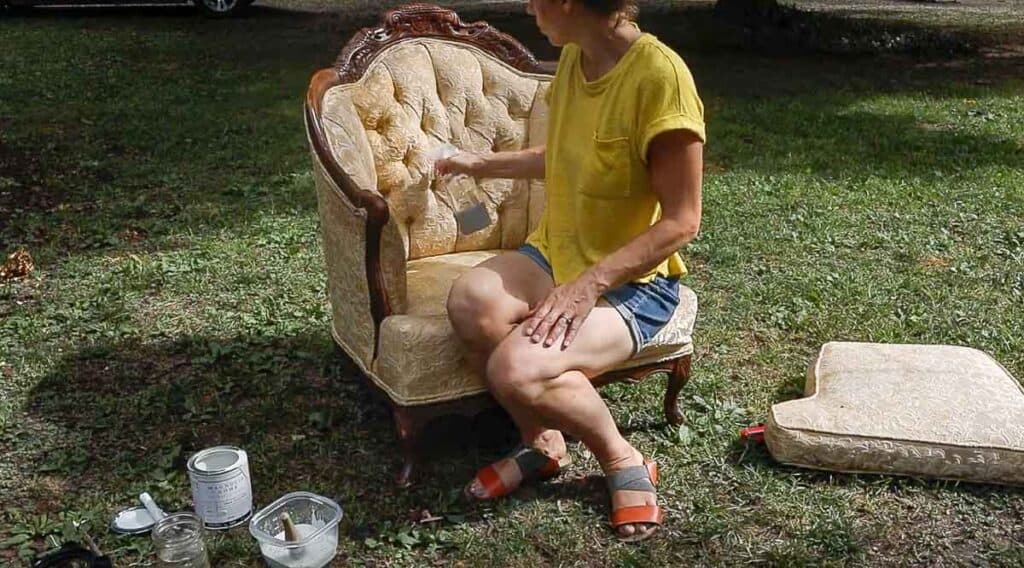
(291, 534)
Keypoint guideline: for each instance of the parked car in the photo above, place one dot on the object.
(213, 8)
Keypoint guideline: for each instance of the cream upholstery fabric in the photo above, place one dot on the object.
(345, 254)
(939, 411)
(416, 95)
(420, 359)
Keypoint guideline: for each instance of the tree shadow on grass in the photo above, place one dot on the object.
(127, 415)
(130, 413)
(832, 136)
(209, 120)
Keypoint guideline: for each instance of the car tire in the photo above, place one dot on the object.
(221, 8)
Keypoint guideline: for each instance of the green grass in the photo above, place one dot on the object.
(156, 168)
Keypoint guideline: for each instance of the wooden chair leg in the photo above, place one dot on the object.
(412, 421)
(677, 379)
(409, 427)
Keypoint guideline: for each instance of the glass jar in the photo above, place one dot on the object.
(178, 540)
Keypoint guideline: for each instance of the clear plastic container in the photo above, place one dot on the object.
(316, 519)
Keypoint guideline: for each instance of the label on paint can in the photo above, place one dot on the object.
(221, 486)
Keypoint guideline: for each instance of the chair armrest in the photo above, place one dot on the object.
(365, 260)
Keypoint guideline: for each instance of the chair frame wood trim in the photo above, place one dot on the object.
(377, 211)
(428, 21)
(425, 21)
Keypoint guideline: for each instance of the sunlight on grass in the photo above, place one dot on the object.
(157, 170)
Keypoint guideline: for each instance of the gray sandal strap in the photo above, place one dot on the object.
(530, 460)
(633, 478)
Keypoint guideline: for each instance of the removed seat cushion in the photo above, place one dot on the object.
(926, 410)
(420, 359)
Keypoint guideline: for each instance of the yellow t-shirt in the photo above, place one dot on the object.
(598, 195)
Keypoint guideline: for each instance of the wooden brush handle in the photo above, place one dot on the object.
(290, 532)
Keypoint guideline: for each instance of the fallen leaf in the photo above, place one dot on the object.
(19, 264)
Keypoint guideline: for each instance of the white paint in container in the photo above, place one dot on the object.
(221, 486)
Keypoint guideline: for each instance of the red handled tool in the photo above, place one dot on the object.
(753, 433)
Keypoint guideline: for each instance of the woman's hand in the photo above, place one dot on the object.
(462, 163)
(562, 313)
(519, 164)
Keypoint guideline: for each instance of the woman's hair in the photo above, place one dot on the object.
(627, 8)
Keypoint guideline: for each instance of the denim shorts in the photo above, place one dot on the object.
(646, 307)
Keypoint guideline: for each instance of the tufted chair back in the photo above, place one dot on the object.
(417, 95)
(391, 245)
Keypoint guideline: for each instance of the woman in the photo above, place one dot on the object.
(600, 275)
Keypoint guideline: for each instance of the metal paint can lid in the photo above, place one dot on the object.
(216, 460)
(134, 520)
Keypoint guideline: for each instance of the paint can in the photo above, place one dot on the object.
(221, 486)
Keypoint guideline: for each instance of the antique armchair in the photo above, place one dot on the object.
(390, 239)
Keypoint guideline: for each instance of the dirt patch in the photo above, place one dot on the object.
(935, 263)
(22, 186)
(41, 179)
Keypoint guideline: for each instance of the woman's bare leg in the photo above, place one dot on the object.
(554, 385)
(545, 390)
(485, 305)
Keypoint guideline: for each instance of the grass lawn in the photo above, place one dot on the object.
(155, 166)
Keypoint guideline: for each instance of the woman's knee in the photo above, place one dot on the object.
(475, 310)
(512, 373)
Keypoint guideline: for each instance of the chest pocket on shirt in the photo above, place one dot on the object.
(608, 174)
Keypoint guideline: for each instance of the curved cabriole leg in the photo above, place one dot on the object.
(412, 421)
(677, 379)
(409, 428)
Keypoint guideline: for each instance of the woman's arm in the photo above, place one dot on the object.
(523, 164)
(675, 166)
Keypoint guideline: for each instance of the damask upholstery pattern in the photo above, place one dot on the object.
(931, 410)
(420, 359)
(345, 254)
(415, 95)
(419, 94)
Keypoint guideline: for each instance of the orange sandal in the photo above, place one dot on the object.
(636, 478)
(533, 465)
